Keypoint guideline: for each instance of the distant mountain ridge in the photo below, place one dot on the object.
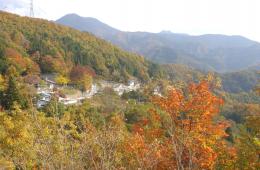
(213, 52)
(92, 24)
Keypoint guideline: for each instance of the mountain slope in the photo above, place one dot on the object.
(92, 24)
(32, 43)
(56, 48)
(207, 52)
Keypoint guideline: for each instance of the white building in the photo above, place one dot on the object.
(45, 93)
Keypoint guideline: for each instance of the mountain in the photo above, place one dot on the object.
(219, 53)
(93, 25)
(36, 45)
(56, 48)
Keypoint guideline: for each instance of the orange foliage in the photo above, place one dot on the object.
(16, 59)
(21, 63)
(227, 156)
(190, 139)
(77, 72)
(142, 154)
(193, 131)
(53, 64)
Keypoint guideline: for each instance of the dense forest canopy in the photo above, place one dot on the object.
(57, 48)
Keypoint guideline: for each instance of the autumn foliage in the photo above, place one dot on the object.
(182, 128)
(188, 139)
(81, 76)
(22, 64)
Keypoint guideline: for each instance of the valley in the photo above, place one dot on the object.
(79, 94)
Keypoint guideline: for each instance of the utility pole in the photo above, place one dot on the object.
(31, 9)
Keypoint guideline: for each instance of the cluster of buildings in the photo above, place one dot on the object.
(120, 88)
(50, 89)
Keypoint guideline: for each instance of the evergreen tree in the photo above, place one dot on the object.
(11, 94)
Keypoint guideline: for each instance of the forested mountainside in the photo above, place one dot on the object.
(207, 52)
(36, 45)
(242, 81)
(234, 82)
(56, 48)
(180, 119)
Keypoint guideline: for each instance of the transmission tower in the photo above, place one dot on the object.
(31, 9)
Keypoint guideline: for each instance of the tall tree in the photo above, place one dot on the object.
(192, 129)
(12, 94)
(82, 77)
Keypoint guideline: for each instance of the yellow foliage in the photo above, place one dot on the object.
(6, 165)
(62, 80)
(2, 82)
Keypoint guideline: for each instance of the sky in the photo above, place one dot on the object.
(195, 17)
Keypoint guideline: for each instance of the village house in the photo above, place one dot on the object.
(51, 88)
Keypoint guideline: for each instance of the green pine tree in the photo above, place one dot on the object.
(12, 94)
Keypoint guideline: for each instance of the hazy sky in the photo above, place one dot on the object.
(231, 17)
